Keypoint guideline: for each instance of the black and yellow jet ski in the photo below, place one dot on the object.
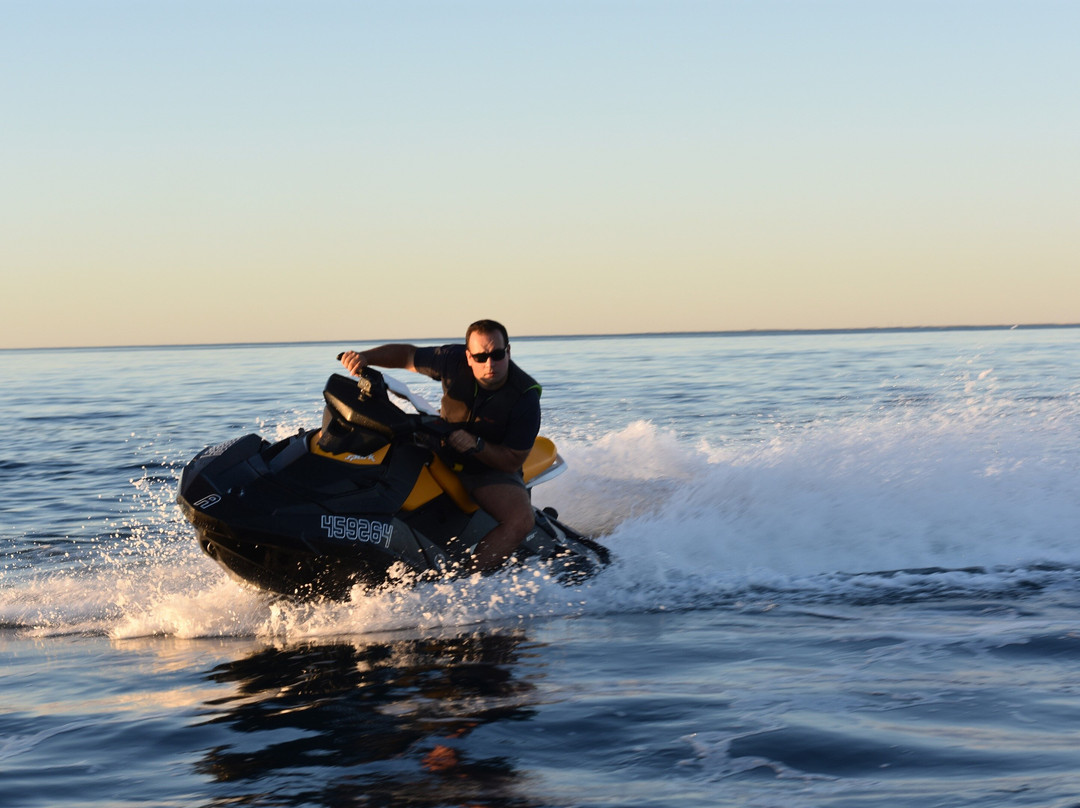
(364, 500)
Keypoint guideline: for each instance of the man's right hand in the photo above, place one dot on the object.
(393, 355)
(354, 362)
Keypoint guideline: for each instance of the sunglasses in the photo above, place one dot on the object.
(497, 355)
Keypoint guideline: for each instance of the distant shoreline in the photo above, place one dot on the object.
(772, 332)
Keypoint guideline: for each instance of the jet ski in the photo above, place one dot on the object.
(365, 500)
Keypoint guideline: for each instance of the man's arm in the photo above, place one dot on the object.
(395, 355)
(495, 455)
(524, 426)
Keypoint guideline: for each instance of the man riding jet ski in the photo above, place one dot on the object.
(379, 490)
(495, 407)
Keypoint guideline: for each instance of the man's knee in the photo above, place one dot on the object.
(509, 506)
(521, 521)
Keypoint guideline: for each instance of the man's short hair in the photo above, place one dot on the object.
(487, 327)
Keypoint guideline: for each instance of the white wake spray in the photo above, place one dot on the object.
(960, 499)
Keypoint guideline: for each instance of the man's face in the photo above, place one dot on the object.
(490, 373)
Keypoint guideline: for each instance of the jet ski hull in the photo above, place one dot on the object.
(293, 519)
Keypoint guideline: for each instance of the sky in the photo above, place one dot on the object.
(208, 171)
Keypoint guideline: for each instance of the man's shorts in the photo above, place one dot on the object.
(480, 479)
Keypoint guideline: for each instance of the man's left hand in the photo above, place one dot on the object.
(461, 441)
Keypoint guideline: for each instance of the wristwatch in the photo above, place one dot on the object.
(478, 447)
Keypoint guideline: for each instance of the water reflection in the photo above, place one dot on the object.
(381, 723)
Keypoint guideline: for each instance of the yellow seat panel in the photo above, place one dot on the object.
(540, 458)
(437, 477)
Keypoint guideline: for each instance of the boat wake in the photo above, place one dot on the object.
(914, 506)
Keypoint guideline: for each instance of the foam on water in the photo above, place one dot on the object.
(911, 504)
(916, 490)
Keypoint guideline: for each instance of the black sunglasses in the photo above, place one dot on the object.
(497, 355)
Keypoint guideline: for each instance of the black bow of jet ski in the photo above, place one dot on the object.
(364, 500)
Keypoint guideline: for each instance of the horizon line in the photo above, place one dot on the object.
(615, 335)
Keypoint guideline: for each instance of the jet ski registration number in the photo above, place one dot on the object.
(356, 529)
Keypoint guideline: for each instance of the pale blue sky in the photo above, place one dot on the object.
(175, 172)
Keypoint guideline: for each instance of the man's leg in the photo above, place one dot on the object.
(512, 509)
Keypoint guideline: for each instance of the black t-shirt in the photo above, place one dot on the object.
(515, 428)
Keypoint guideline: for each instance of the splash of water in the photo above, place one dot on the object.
(911, 504)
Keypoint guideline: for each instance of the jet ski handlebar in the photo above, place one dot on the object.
(360, 417)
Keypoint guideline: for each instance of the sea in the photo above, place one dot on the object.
(846, 574)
